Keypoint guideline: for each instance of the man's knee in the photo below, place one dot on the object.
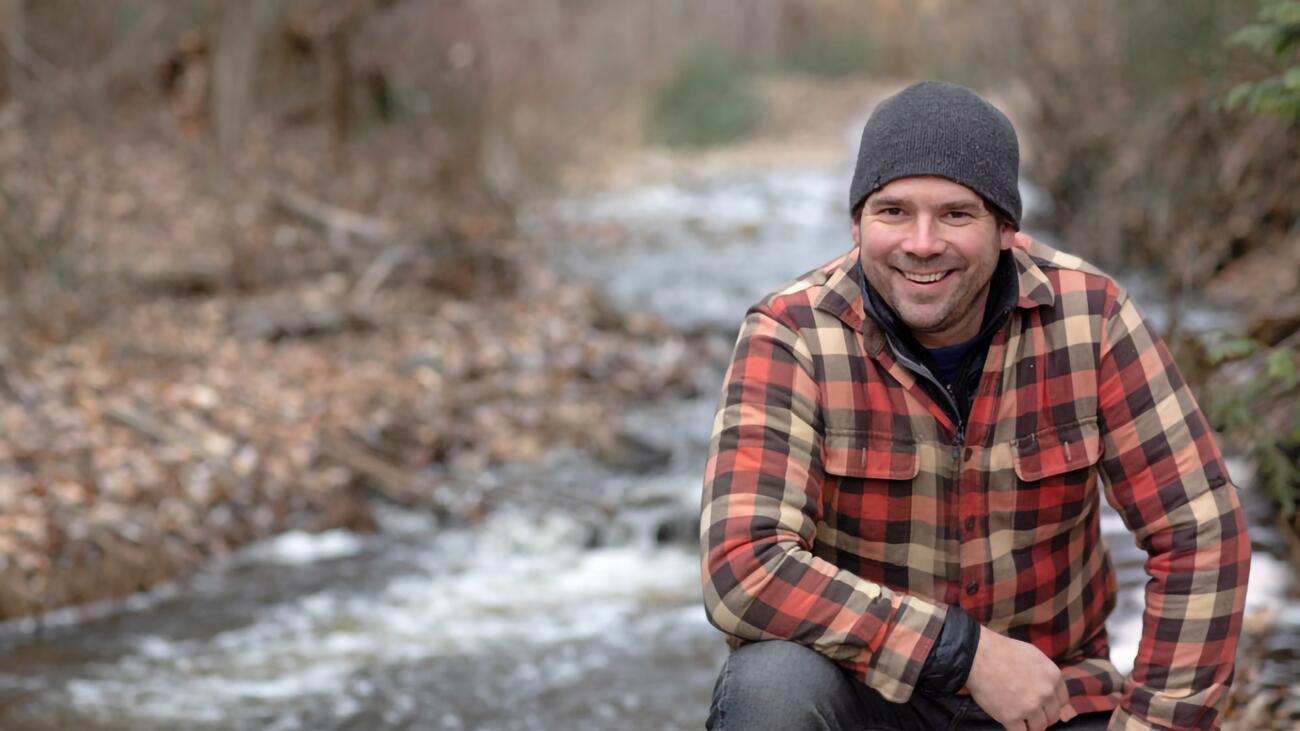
(781, 685)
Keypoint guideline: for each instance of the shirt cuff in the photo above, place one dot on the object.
(948, 666)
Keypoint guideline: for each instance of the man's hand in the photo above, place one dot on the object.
(1015, 683)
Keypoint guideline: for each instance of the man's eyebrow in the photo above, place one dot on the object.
(886, 202)
(962, 205)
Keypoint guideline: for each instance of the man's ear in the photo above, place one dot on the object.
(1008, 237)
(857, 232)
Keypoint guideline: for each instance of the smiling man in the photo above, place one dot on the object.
(900, 519)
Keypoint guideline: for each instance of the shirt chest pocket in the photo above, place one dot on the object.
(868, 455)
(867, 496)
(1054, 489)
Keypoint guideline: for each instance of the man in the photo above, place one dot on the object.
(900, 514)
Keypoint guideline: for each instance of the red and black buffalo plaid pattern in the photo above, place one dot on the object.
(841, 511)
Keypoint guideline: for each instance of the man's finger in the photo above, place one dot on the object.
(1052, 712)
(1037, 720)
(1062, 694)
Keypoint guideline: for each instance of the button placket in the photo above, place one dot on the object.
(966, 501)
(974, 550)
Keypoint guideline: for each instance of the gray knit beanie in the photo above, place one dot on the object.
(938, 128)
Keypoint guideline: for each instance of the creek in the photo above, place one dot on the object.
(528, 620)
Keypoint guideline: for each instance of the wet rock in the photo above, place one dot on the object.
(1275, 674)
(1288, 712)
(682, 528)
(1266, 693)
(627, 452)
(1282, 645)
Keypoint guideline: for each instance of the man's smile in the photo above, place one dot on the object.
(924, 277)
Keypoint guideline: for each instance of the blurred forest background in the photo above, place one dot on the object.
(265, 261)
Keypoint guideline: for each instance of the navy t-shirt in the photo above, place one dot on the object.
(947, 361)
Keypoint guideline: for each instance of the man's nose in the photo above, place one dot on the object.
(926, 239)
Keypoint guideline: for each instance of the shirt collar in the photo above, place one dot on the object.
(1036, 289)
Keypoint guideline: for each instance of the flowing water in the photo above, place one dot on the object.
(528, 621)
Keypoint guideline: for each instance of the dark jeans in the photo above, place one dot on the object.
(783, 685)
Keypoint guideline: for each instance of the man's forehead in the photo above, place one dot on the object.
(927, 188)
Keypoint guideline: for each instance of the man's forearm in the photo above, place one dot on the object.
(762, 501)
(880, 636)
(1166, 478)
(1193, 619)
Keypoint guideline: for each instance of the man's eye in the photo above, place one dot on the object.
(894, 211)
(959, 215)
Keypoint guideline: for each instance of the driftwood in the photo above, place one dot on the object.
(340, 225)
(378, 272)
(393, 482)
(374, 249)
(165, 433)
(281, 317)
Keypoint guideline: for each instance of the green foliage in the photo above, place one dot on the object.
(1221, 347)
(1281, 367)
(1260, 414)
(832, 56)
(1279, 475)
(1278, 34)
(708, 102)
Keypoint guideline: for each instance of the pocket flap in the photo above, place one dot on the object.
(1057, 450)
(854, 453)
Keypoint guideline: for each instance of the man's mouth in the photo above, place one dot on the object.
(924, 278)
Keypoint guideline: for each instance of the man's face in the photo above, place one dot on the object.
(929, 247)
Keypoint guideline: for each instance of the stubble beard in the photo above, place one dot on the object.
(937, 315)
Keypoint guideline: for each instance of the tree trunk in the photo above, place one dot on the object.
(338, 80)
(241, 30)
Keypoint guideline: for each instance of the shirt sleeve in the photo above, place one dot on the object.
(1166, 478)
(762, 500)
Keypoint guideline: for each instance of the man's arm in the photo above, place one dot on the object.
(1165, 477)
(762, 500)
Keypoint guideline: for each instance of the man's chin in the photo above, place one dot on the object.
(921, 322)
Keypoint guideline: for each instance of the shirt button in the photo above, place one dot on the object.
(972, 587)
(970, 523)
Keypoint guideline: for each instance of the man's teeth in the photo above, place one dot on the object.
(924, 278)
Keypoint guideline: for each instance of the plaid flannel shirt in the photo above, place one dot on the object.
(842, 510)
